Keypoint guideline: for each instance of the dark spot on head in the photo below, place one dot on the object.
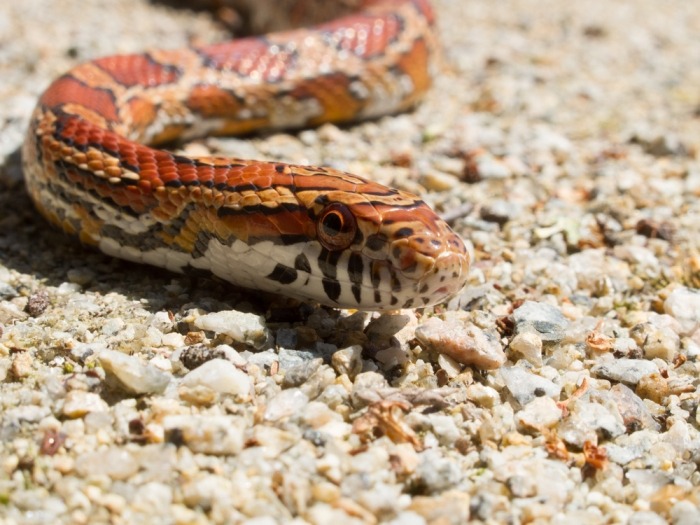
(395, 283)
(332, 289)
(376, 242)
(375, 274)
(301, 262)
(283, 274)
(356, 293)
(355, 268)
(328, 263)
(424, 288)
(279, 168)
(435, 243)
(403, 232)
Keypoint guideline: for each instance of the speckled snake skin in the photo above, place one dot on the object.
(312, 233)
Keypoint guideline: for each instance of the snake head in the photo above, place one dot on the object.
(320, 235)
(342, 241)
(385, 249)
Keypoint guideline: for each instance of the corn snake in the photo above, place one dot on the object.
(314, 233)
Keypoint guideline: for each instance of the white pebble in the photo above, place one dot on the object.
(222, 376)
(133, 375)
(684, 305)
(116, 463)
(241, 327)
(348, 361)
(78, 403)
(218, 435)
(286, 404)
(528, 345)
(539, 413)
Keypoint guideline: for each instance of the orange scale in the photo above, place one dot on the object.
(251, 170)
(220, 178)
(204, 176)
(167, 175)
(145, 184)
(187, 173)
(145, 154)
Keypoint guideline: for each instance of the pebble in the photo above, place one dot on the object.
(635, 414)
(451, 506)
(525, 386)
(286, 404)
(542, 412)
(131, 374)
(528, 345)
(22, 365)
(7, 291)
(207, 434)
(500, 211)
(482, 395)
(683, 305)
(288, 359)
(662, 344)
(222, 377)
(77, 403)
(465, 343)
(587, 421)
(392, 329)
(627, 371)
(348, 361)
(544, 319)
(241, 327)
(115, 462)
(436, 473)
(81, 352)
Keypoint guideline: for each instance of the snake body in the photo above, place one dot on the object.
(92, 167)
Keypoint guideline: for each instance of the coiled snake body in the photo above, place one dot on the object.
(307, 232)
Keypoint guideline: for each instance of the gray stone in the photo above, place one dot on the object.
(544, 319)
(524, 385)
(628, 371)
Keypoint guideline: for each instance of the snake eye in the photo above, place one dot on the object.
(336, 227)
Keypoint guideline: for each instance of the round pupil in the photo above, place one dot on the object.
(332, 224)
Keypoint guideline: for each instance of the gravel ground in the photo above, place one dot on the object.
(561, 140)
